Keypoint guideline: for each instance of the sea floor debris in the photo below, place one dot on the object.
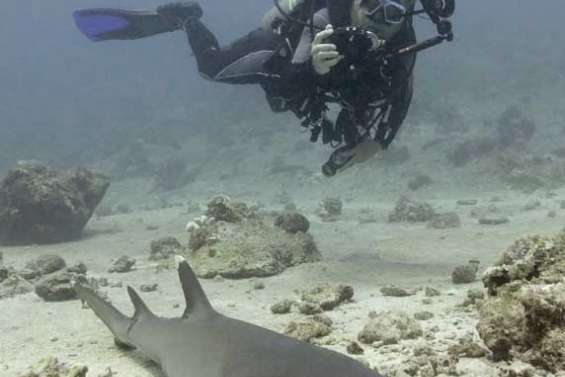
(522, 316)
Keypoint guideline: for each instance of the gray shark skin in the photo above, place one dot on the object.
(205, 343)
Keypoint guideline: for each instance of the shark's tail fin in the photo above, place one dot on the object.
(117, 322)
(196, 301)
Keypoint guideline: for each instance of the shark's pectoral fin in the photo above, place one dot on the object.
(196, 300)
(117, 322)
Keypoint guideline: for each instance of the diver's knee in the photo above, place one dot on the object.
(210, 65)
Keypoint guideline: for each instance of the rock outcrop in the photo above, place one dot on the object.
(39, 205)
(522, 316)
(235, 242)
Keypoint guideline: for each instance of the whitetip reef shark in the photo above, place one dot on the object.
(205, 343)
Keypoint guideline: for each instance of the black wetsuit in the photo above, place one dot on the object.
(266, 58)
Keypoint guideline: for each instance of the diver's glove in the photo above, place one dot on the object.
(348, 155)
(324, 55)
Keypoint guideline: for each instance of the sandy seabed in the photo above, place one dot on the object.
(366, 256)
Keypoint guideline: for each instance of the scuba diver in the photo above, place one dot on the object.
(306, 55)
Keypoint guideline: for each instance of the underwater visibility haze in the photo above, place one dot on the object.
(380, 197)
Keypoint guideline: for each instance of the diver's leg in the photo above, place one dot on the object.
(186, 15)
(180, 13)
(241, 62)
(358, 146)
(350, 154)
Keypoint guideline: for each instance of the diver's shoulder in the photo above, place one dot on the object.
(322, 17)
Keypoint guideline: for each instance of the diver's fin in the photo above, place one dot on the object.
(100, 24)
(117, 322)
(141, 309)
(196, 300)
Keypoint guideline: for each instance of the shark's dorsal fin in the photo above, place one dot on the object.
(196, 300)
(141, 308)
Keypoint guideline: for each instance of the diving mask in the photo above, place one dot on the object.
(383, 11)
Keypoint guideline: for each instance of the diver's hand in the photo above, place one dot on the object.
(324, 55)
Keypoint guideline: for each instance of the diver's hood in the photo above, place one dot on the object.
(340, 12)
(387, 31)
(340, 15)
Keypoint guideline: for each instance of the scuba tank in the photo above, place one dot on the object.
(276, 15)
(301, 11)
(290, 11)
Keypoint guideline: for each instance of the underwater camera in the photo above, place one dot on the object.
(354, 43)
(358, 44)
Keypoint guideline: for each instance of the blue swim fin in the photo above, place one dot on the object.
(101, 24)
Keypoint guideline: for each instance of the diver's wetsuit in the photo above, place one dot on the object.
(241, 62)
(285, 72)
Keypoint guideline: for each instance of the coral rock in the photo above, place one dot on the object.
(51, 367)
(164, 247)
(292, 222)
(407, 210)
(522, 315)
(282, 307)
(393, 291)
(56, 287)
(247, 248)
(390, 328)
(222, 208)
(314, 327)
(14, 285)
(328, 297)
(46, 264)
(464, 274)
(41, 205)
(122, 264)
(431, 292)
(354, 348)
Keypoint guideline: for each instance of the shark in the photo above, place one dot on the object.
(206, 343)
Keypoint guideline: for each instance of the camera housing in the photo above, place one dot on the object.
(355, 44)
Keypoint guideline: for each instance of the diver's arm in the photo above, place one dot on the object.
(303, 50)
(297, 79)
(301, 72)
